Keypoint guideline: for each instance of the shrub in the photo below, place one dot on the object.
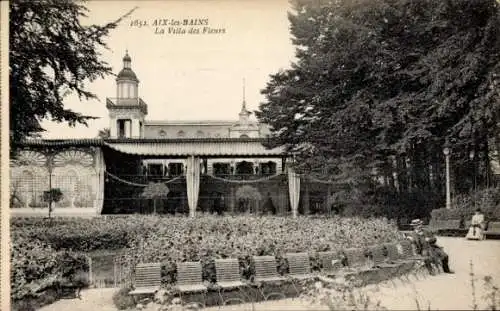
(487, 199)
(122, 300)
(37, 268)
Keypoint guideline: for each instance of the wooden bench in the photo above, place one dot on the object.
(227, 272)
(299, 269)
(331, 262)
(147, 279)
(409, 251)
(190, 281)
(380, 257)
(452, 224)
(493, 228)
(356, 261)
(266, 274)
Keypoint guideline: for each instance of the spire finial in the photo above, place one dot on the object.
(244, 101)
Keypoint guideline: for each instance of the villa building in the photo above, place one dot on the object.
(207, 166)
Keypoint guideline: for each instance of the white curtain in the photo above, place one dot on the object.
(193, 183)
(100, 169)
(294, 190)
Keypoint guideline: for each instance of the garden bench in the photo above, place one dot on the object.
(147, 279)
(299, 269)
(227, 273)
(409, 251)
(452, 224)
(331, 262)
(266, 273)
(493, 228)
(394, 252)
(190, 280)
(356, 260)
(380, 257)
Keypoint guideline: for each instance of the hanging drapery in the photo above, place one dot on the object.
(193, 183)
(294, 190)
(100, 168)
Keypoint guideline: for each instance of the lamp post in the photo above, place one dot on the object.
(446, 151)
(471, 157)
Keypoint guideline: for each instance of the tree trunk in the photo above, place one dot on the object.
(154, 206)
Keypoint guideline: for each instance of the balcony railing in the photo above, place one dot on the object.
(243, 176)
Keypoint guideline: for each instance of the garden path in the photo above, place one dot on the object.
(443, 292)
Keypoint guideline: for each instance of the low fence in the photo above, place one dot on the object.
(109, 271)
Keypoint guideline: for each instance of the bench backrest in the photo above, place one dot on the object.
(265, 267)
(327, 258)
(408, 248)
(394, 251)
(189, 273)
(378, 253)
(298, 263)
(452, 224)
(147, 275)
(355, 257)
(494, 226)
(227, 270)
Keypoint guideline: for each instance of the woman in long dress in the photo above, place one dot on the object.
(476, 227)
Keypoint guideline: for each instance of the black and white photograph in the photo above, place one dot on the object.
(250, 155)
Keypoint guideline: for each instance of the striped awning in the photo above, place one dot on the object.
(196, 148)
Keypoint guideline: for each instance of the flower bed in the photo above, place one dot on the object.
(37, 270)
(175, 239)
(171, 240)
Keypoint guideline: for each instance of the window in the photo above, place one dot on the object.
(121, 128)
(199, 133)
(181, 134)
(222, 169)
(244, 168)
(175, 169)
(162, 133)
(268, 168)
(155, 170)
(244, 136)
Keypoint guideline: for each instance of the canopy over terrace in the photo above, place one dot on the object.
(122, 156)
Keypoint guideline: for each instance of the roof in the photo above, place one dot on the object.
(170, 146)
(194, 146)
(127, 74)
(193, 122)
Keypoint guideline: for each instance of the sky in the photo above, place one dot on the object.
(188, 76)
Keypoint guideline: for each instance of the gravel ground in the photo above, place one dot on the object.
(441, 292)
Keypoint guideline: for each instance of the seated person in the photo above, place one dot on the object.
(425, 243)
(476, 226)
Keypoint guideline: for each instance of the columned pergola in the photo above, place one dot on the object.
(245, 161)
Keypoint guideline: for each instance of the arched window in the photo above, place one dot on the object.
(199, 133)
(244, 136)
(162, 133)
(181, 134)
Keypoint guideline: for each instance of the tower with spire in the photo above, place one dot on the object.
(127, 111)
(244, 113)
(244, 128)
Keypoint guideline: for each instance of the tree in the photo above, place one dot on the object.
(51, 55)
(104, 133)
(379, 85)
(155, 191)
(52, 196)
(247, 194)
